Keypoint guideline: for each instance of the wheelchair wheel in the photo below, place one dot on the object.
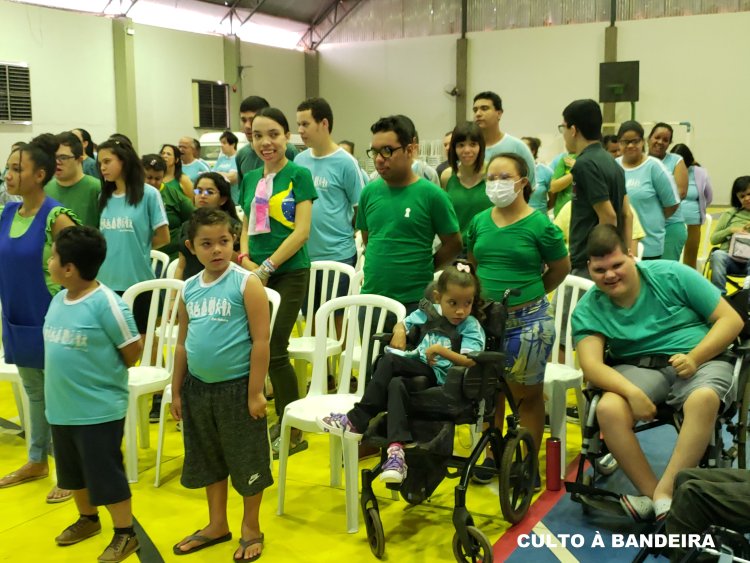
(481, 550)
(517, 473)
(375, 535)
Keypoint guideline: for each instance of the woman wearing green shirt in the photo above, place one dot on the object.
(517, 247)
(731, 222)
(277, 202)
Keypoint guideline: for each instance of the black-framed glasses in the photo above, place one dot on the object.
(64, 157)
(207, 191)
(630, 142)
(385, 152)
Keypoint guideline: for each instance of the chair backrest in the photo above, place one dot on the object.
(172, 268)
(641, 249)
(274, 298)
(355, 288)
(159, 262)
(569, 291)
(330, 275)
(161, 338)
(364, 315)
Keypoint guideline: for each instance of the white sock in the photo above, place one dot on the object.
(662, 506)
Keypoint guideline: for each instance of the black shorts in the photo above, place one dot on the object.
(222, 439)
(141, 306)
(90, 457)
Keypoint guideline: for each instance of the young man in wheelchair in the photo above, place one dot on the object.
(650, 333)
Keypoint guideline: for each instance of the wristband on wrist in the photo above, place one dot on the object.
(262, 274)
(241, 257)
(270, 266)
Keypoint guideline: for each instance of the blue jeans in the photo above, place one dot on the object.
(722, 265)
(40, 439)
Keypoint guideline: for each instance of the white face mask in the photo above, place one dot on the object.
(501, 192)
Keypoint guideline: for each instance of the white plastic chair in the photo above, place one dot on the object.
(360, 246)
(639, 254)
(558, 378)
(157, 361)
(172, 269)
(302, 348)
(303, 413)
(705, 246)
(159, 263)
(274, 299)
(9, 372)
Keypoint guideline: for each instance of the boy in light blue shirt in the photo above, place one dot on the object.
(90, 340)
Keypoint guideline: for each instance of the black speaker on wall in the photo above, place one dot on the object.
(618, 82)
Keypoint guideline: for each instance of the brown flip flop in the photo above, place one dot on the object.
(18, 480)
(244, 544)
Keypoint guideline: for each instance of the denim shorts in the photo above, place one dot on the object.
(530, 334)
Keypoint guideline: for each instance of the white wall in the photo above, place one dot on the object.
(72, 78)
(166, 62)
(366, 81)
(278, 75)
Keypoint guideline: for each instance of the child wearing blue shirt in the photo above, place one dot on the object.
(224, 337)
(456, 297)
(90, 340)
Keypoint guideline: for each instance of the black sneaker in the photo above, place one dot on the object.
(537, 483)
(155, 413)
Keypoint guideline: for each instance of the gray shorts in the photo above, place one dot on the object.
(663, 385)
(222, 439)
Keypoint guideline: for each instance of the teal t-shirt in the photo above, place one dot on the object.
(82, 197)
(513, 257)
(401, 225)
(128, 230)
(650, 189)
(509, 143)
(218, 340)
(470, 331)
(178, 209)
(670, 162)
(538, 199)
(670, 315)
(291, 185)
(339, 184)
(85, 377)
(195, 169)
(467, 202)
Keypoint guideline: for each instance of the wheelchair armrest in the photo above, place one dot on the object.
(384, 337)
(486, 357)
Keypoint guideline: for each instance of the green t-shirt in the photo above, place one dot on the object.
(670, 315)
(467, 202)
(291, 185)
(82, 197)
(564, 196)
(178, 209)
(513, 257)
(722, 234)
(401, 224)
(21, 224)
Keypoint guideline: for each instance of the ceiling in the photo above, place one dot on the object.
(303, 11)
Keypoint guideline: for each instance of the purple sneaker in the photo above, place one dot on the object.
(338, 424)
(394, 468)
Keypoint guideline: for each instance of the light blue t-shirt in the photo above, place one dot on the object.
(85, 377)
(670, 315)
(128, 230)
(690, 206)
(227, 164)
(218, 337)
(650, 188)
(339, 184)
(538, 199)
(472, 340)
(509, 143)
(670, 162)
(195, 169)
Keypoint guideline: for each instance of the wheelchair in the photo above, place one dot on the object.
(467, 397)
(733, 420)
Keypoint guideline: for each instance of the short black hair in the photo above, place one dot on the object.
(605, 239)
(607, 139)
(586, 115)
(684, 151)
(350, 144)
(489, 95)
(534, 144)
(320, 110)
(630, 125)
(154, 162)
(662, 125)
(84, 247)
(521, 167)
(401, 125)
(739, 185)
(254, 104)
(69, 139)
(206, 217)
(230, 137)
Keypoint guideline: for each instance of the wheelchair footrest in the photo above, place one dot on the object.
(606, 504)
(588, 490)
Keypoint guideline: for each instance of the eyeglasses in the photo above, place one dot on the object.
(630, 142)
(208, 191)
(63, 157)
(385, 152)
(562, 127)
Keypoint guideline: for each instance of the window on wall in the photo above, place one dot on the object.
(210, 104)
(15, 93)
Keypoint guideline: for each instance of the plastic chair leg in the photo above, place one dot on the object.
(335, 459)
(351, 470)
(286, 436)
(143, 422)
(165, 402)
